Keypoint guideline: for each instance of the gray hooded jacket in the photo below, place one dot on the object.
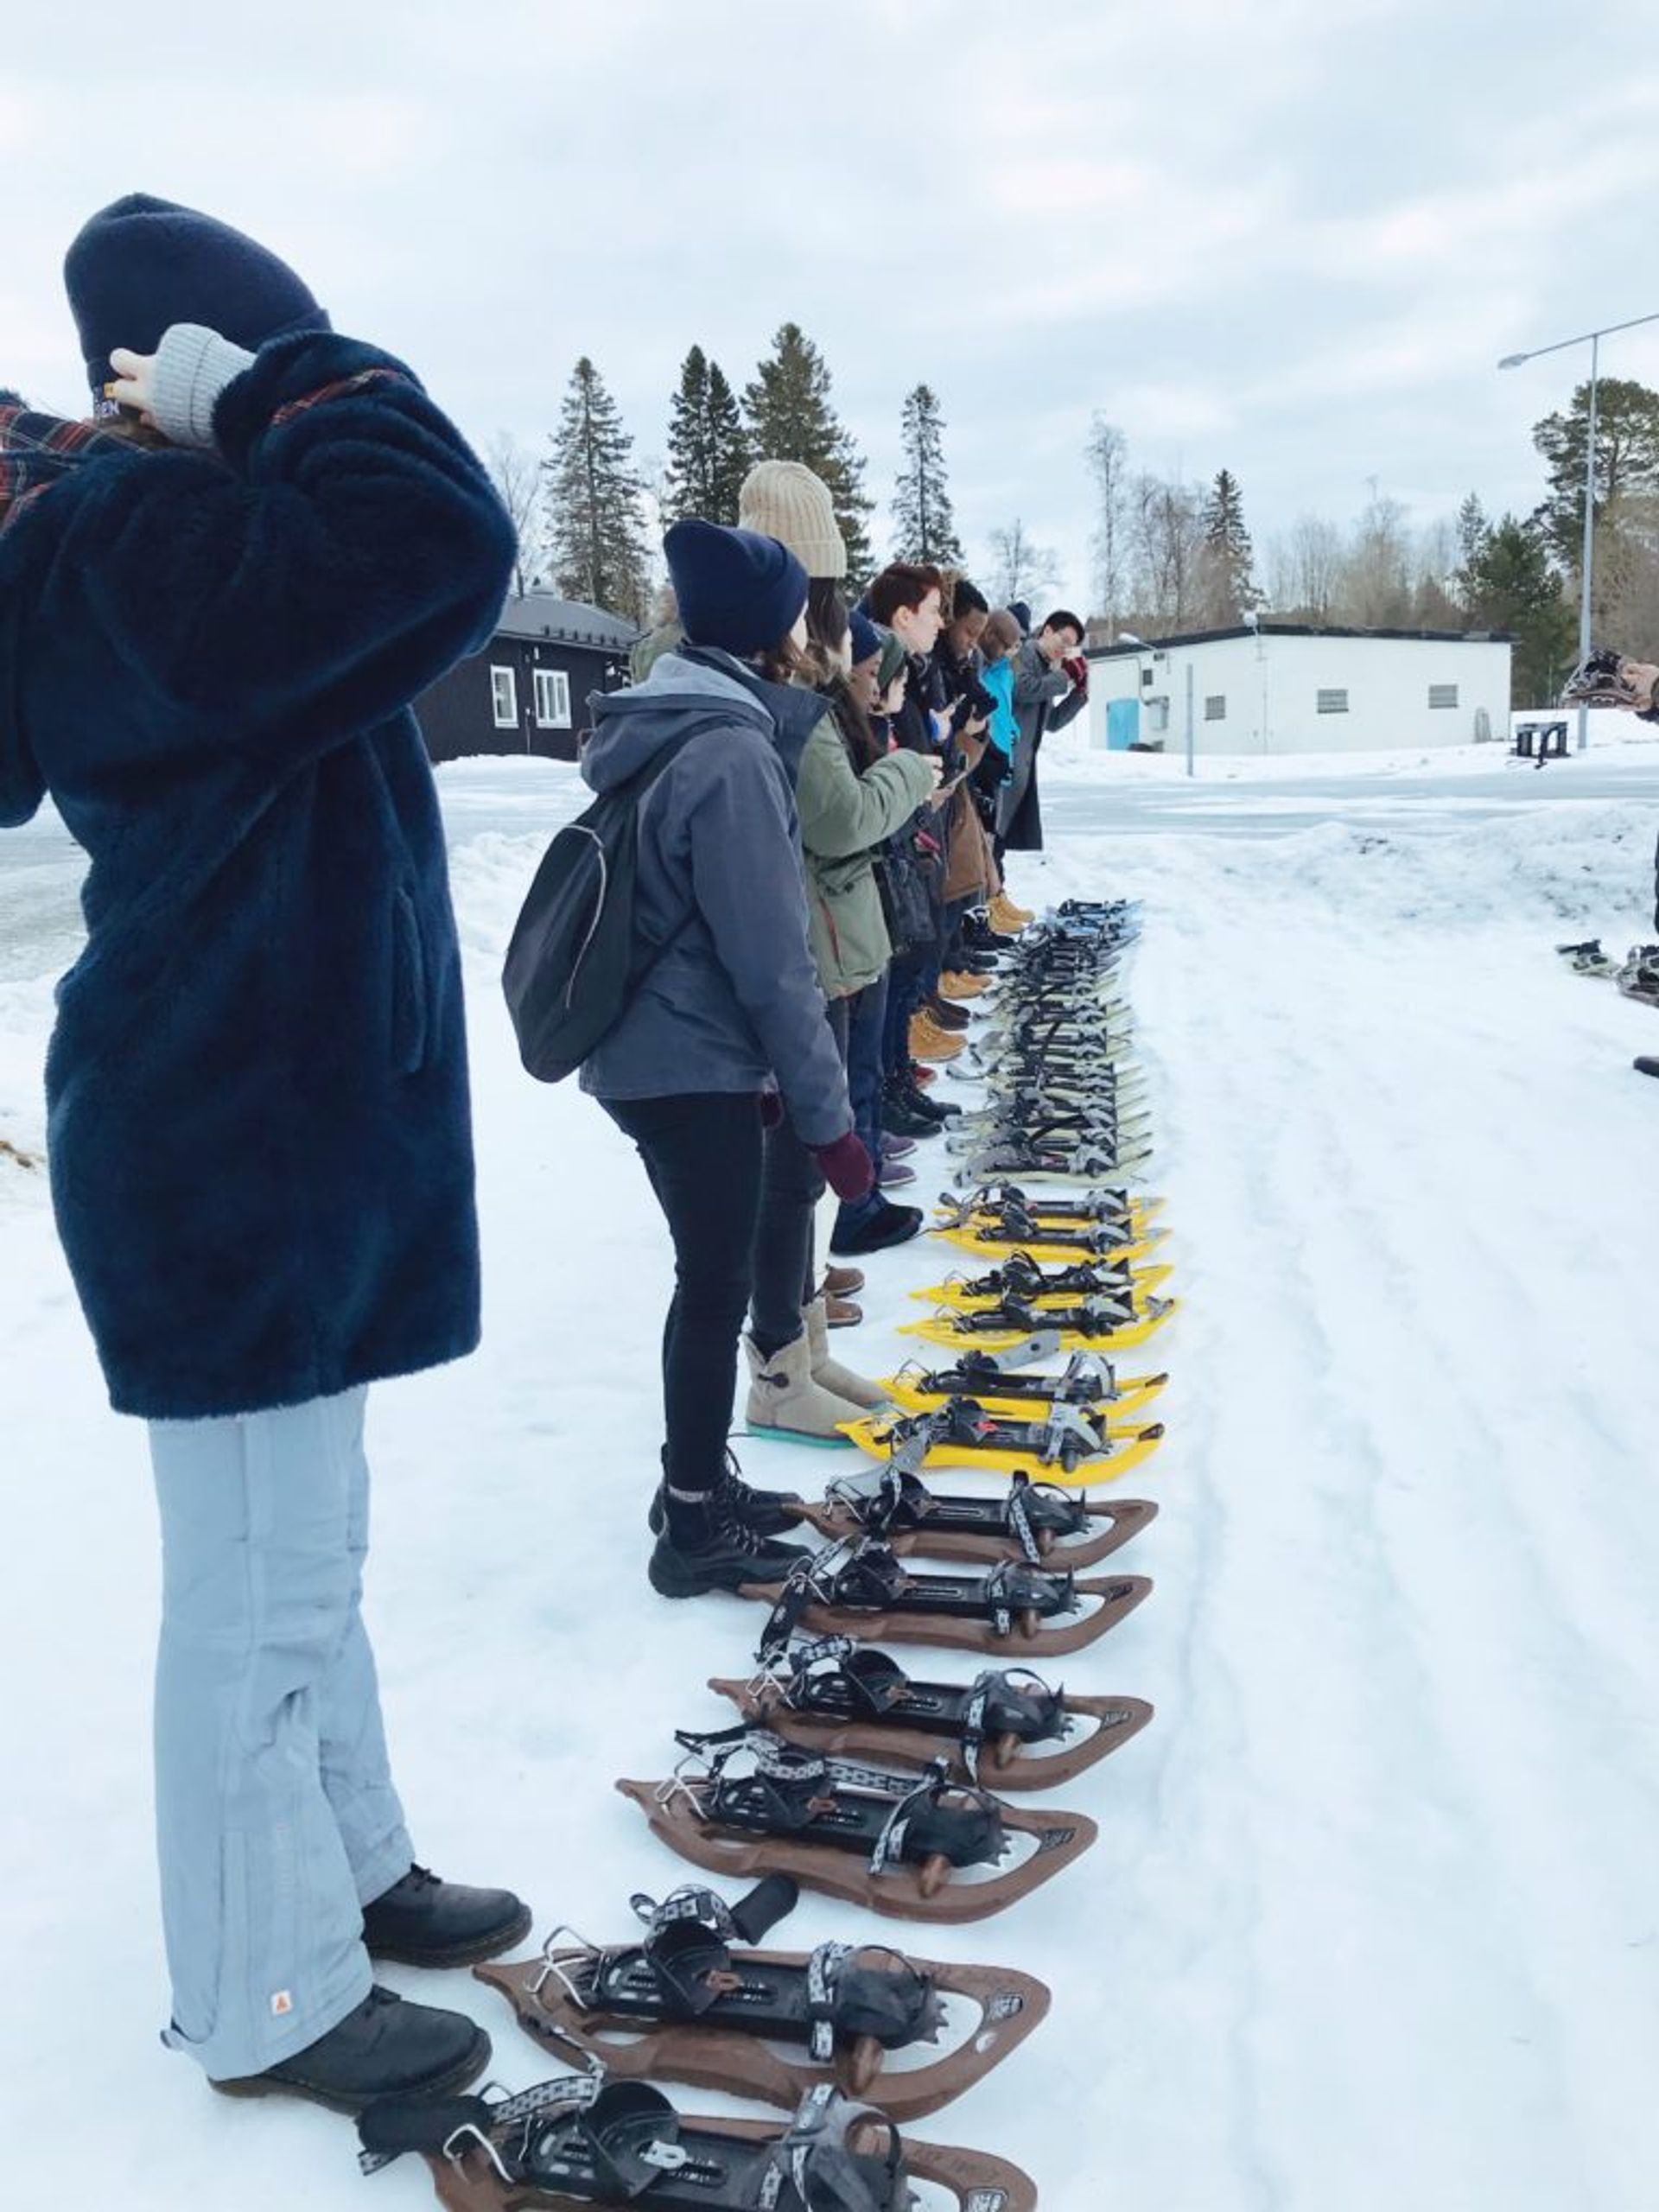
(734, 999)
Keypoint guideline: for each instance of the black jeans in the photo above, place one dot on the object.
(701, 1151)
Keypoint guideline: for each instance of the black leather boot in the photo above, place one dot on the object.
(425, 1922)
(384, 2049)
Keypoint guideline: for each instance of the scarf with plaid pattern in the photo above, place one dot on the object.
(37, 449)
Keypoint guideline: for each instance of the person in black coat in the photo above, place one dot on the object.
(215, 609)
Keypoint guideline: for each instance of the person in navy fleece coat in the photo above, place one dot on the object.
(258, 1132)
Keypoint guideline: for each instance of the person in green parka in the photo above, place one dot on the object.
(851, 795)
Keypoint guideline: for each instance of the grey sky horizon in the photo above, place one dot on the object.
(1291, 241)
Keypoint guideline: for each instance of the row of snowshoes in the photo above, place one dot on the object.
(1636, 976)
(896, 1789)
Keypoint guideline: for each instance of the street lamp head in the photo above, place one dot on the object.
(1129, 638)
(1513, 360)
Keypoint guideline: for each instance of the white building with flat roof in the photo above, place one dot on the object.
(1284, 687)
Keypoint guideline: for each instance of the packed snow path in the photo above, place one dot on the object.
(1373, 1922)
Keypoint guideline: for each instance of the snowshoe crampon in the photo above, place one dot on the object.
(1062, 1444)
(863, 1590)
(744, 1803)
(1006, 1731)
(692, 2003)
(580, 2141)
(1031, 1521)
(1094, 1324)
(999, 1382)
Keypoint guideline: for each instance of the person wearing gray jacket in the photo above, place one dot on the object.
(1050, 688)
(730, 1003)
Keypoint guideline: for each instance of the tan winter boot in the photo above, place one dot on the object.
(828, 1372)
(785, 1395)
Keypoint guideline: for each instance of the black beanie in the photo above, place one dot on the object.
(735, 588)
(141, 265)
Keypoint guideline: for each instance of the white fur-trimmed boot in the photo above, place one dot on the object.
(784, 1395)
(829, 1371)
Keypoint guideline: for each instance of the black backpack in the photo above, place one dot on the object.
(575, 964)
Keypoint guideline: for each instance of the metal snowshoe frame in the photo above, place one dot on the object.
(1118, 1211)
(1091, 1324)
(580, 2142)
(1021, 1276)
(859, 1588)
(902, 1843)
(694, 2002)
(1087, 1379)
(1031, 1521)
(842, 1698)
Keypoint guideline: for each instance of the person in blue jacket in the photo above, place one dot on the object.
(727, 1030)
(215, 607)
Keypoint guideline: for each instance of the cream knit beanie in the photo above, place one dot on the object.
(784, 499)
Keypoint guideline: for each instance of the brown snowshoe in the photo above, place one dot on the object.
(578, 2144)
(1005, 1731)
(916, 1848)
(1031, 1520)
(688, 2004)
(862, 1590)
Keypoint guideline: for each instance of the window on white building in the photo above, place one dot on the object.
(1331, 702)
(1215, 707)
(1442, 694)
(1158, 716)
(552, 699)
(503, 696)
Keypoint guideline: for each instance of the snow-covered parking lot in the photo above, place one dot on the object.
(1373, 1923)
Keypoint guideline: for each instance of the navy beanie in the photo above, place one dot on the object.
(866, 638)
(1021, 614)
(142, 264)
(735, 589)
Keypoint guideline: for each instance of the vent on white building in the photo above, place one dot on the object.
(1442, 694)
(1331, 702)
(1215, 707)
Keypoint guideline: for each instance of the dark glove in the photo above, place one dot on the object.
(847, 1167)
(1078, 669)
(771, 1109)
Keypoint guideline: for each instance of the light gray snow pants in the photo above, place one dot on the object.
(276, 1816)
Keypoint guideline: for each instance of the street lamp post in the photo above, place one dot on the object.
(1593, 339)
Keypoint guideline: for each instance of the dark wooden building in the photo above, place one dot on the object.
(527, 691)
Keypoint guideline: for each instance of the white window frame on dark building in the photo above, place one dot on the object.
(552, 699)
(504, 695)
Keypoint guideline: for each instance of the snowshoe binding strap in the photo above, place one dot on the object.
(1037, 1509)
(858, 1572)
(447, 2126)
(885, 1501)
(815, 2163)
(688, 1938)
(873, 1683)
(849, 1996)
(1014, 1587)
(1015, 1704)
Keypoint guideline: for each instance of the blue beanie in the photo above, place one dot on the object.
(141, 265)
(867, 638)
(735, 589)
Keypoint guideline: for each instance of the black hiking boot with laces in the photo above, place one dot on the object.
(704, 1547)
(768, 1512)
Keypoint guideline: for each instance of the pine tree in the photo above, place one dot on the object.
(1509, 584)
(595, 534)
(708, 446)
(1229, 557)
(925, 528)
(790, 418)
(1627, 458)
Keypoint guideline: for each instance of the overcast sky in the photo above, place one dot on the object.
(1290, 237)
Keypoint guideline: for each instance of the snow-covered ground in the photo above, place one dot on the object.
(1373, 1922)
